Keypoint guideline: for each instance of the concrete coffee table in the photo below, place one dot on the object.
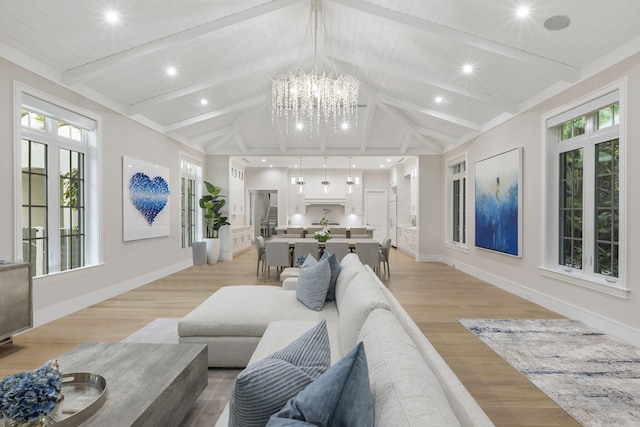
(147, 384)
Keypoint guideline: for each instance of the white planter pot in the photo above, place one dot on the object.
(213, 250)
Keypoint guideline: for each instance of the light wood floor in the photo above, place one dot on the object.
(435, 295)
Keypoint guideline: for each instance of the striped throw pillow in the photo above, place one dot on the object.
(263, 388)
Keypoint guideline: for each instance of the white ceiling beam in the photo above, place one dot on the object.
(240, 142)
(209, 136)
(547, 66)
(243, 105)
(403, 73)
(399, 117)
(242, 120)
(235, 22)
(404, 105)
(212, 148)
(368, 124)
(447, 139)
(405, 142)
(263, 66)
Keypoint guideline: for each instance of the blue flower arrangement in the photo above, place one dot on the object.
(300, 260)
(29, 396)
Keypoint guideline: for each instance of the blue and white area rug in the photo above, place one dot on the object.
(592, 376)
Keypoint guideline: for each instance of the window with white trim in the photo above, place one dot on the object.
(57, 223)
(584, 206)
(457, 202)
(190, 183)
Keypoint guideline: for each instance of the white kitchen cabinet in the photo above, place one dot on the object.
(240, 239)
(413, 193)
(236, 189)
(407, 240)
(393, 177)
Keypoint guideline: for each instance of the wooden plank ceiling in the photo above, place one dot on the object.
(406, 53)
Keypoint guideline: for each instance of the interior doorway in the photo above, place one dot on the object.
(263, 212)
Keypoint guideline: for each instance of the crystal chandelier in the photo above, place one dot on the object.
(315, 97)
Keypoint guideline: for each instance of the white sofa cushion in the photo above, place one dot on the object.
(405, 390)
(247, 311)
(349, 267)
(361, 297)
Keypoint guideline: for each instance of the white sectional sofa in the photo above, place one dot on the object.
(410, 383)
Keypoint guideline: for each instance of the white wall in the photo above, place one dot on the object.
(521, 275)
(125, 265)
(430, 220)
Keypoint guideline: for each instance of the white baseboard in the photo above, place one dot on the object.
(57, 311)
(594, 320)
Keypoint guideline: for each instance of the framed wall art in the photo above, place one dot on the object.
(145, 200)
(499, 203)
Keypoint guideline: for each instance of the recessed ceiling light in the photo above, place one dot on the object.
(344, 125)
(264, 160)
(438, 99)
(388, 160)
(171, 71)
(557, 22)
(270, 166)
(112, 17)
(381, 166)
(522, 12)
(299, 126)
(468, 68)
(203, 101)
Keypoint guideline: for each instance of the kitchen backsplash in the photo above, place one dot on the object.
(333, 213)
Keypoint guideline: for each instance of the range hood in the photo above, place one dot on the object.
(324, 201)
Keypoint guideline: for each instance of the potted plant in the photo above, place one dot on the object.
(211, 204)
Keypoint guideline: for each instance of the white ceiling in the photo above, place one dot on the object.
(405, 53)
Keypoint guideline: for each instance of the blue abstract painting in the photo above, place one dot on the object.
(145, 199)
(498, 203)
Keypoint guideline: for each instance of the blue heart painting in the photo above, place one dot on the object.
(149, 196)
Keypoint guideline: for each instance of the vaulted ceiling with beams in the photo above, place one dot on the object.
(409, 56)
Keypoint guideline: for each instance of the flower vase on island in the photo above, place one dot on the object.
(322, 235)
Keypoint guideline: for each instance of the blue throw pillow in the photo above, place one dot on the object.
(335, 270)
(309, 261)
(313, 282)
(339, 397)
(263, 388)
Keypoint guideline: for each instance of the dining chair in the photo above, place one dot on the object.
(277, 255)
(360, 236)
(295, 232)
(355, 232)
(384, 255)
(338, 232)
(369, 254)
(340, 249)
(305, 248)
(261, 253)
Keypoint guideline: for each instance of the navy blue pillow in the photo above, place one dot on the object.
(335, 270)
(339, 397)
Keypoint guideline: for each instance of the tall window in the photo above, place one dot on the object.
(55, 145)
(457, 202)
(190, 183)
(584, 147)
